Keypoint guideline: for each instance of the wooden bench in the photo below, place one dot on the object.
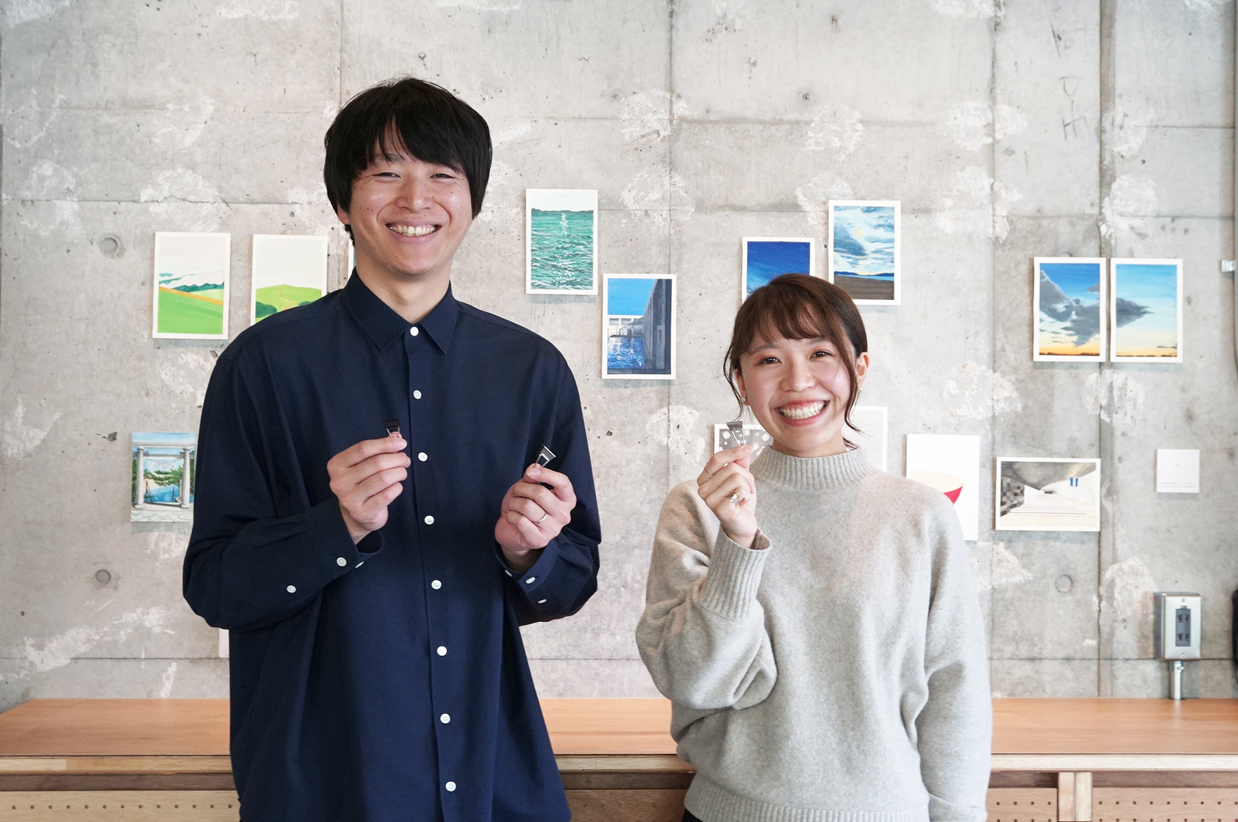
(1109, 760)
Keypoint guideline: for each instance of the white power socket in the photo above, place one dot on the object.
(1178, 625)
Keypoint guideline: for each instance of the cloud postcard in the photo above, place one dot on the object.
(1069, 299)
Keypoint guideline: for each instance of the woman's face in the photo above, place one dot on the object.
(798, 390)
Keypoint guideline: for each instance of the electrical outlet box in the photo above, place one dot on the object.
(1178, 625)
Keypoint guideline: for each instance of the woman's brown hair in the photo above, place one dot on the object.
(799, 307)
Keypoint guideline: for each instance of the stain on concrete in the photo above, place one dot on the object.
(813, 196)
(967, 8)
(646, 118)
(60, 650)
(975, 392)
(1126, 129)
(166, 682)
(17, 12)
(1126, 608)
(1115, 395)
(17, 439)
(658, 191)
(179, 127)
(836, 131)
(186, 373)
(676, 427)
(1131, 199)
(1006, 570)
(975, 204)
(267, 10)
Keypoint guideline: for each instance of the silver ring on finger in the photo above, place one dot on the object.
(543, 519)
(736, 499)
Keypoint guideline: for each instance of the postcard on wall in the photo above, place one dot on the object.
(764, 258)
(287, 271)
(949, 463)
(863, 250)
(162, 473)
(560, 241)
(638, 327)
(1047, 494)
(1146, 310)
(873, 422)
(754, 435)
(1069, 295)
(191, 285)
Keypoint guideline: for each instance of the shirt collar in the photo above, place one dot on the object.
(383, 325)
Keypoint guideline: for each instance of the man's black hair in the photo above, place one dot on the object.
(420, 118)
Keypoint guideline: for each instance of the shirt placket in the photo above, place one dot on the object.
(422, 471)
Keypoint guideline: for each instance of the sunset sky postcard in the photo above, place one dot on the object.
(1146, 309)
(1069, 300)
(863, 254)
(765, 258)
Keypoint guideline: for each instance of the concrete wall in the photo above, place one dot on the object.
(1007, 130)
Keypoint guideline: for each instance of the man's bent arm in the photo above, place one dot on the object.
(565, 574)
(246, 567)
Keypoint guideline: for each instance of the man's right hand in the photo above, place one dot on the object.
(365, 479)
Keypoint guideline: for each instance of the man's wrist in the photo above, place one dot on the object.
(518, 560)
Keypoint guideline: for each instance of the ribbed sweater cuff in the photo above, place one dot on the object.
(734, 575)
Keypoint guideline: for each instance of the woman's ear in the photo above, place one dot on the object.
(861, 368)
(739, 383)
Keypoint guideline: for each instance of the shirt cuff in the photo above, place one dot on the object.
(533, 582)
(324, 525)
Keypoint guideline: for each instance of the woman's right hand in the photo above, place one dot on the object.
(726, 478)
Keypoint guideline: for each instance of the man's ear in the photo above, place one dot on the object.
(342, 214)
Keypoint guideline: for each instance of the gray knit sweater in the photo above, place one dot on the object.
(840, 674)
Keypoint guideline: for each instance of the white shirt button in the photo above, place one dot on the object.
(442, 650)
(436, 584)
(421, 455)
(340, 561)
(414, 331)
(445, 718)
(451, 786)
(416, 395)
(429, 520)
(541, 602)
(292, 589)
(530, 580)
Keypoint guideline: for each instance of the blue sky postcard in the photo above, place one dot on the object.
(1146, 310)
(638, 327)
(1069, 295)
(191, 285)
(863, 250)
(288, 270)
(560, 241)
(764, 258)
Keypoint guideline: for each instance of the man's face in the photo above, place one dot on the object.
(408, 218)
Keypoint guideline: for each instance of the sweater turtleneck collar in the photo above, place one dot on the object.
(811, 472)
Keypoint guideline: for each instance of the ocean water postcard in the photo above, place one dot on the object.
(638, 327)
(949, 463)
(1047, 494)
(1145, 309)
(288, 270)
(764, 258)
(873, 422)
(1069, 295)
(560, 241)
(162, 473)
(863, 250)
(191, 285)
(754, 435)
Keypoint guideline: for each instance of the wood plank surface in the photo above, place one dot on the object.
(121, 806)
(115, 727)
(1165, 804)
(1115, 726)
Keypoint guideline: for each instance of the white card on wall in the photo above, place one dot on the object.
(873, 424)
(1177, 471)
(224, 650)
(949, 463)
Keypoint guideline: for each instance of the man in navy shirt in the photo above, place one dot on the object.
(375, 582)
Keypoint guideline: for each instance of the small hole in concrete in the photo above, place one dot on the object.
(111, 246)
(1064, 583)
(103, 576)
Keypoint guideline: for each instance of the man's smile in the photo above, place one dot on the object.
(412, 230)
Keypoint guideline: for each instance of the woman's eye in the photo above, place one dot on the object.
(823, 353)
(767, 360)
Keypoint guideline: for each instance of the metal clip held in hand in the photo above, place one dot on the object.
(545, 456)
(393, 427)
(738, 434)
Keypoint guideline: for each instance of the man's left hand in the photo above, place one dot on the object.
(532, 515)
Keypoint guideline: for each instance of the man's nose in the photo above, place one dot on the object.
(413, 193)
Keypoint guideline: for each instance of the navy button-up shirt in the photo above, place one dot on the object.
(385, 680)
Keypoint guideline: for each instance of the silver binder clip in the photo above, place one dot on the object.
(545, 456)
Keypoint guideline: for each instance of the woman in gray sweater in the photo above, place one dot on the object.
(815, 621)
